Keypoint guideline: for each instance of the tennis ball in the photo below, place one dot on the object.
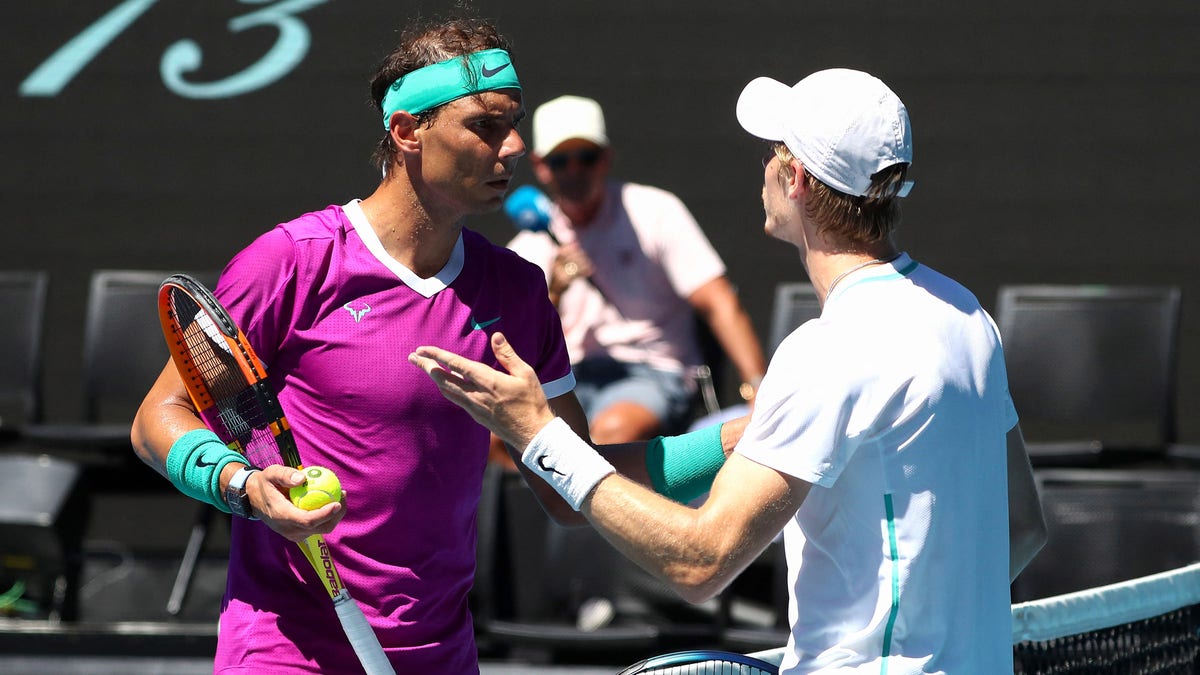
(320, 487)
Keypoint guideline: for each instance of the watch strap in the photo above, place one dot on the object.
(235, 493)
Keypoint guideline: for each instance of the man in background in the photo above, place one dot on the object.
(629, 270)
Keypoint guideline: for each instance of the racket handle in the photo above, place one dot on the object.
(362, 638)
(317, 552)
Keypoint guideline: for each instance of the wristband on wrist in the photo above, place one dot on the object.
(566, 462)
(194, 466)
(683, 467)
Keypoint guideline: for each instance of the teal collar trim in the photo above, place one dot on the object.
(427, 88)
(899, 268)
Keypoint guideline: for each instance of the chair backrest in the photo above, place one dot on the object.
(795, 303)
(124, 350)
(585, 565)
(22, 321)
(1109, 525)
(1092, 363)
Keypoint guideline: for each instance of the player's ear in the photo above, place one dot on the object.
(402, 127)
(794, 179)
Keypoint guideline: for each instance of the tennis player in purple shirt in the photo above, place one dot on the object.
(333, 302)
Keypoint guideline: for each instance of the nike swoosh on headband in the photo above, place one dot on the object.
(488, 72)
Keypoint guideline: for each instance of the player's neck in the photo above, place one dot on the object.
(827, 269)
(414, 237)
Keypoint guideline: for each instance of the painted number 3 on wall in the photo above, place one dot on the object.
(183, 56)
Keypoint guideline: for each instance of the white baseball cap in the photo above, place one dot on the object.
(564, 118)
(844, 125)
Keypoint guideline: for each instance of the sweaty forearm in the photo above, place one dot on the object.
(688, 549)
(160, 421)
(673, 542)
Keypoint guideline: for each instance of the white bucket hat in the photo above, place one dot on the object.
(564, 118)
(844, 125)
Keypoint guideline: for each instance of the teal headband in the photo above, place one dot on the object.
(427, 88)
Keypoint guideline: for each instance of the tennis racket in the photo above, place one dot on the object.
(229, 387)
(702, 662)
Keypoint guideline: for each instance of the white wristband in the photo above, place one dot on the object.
(566, 462)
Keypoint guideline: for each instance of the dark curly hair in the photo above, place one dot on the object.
(424, 43)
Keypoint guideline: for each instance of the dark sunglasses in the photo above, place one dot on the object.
(561, 160)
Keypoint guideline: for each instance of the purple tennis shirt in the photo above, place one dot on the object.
(334, 319)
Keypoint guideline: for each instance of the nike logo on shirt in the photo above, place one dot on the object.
(478, 325)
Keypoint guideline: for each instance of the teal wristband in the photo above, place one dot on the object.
(683, 467)
(194, 466)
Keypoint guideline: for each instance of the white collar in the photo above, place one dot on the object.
(426, 287)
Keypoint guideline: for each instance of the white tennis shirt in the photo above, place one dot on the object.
(894, 404)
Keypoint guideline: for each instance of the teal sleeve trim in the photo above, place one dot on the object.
(194, 466)
(683, 467)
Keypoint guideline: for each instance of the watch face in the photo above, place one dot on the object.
(236, 500)
(235, 495)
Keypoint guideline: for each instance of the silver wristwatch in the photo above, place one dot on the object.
(235, 493)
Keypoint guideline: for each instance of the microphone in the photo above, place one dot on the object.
(529, 209)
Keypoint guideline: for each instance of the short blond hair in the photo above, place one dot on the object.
(852, 219)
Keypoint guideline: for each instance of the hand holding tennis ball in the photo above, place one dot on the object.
(320, 487)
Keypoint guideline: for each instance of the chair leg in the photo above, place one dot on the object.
(708, 390)
(187, 566)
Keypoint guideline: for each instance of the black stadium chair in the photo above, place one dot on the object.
(22, 321)
(1092, 369)
(533, 585)
(795, 303)
(1110, 525)
(543, 591)
(123, 353)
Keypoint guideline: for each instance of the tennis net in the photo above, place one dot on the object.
(1145, 626)
(1149, 625)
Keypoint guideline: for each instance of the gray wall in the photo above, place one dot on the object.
(1055, 141)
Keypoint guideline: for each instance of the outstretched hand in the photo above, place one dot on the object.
(512, 405)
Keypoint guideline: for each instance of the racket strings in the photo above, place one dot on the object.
(237, 414)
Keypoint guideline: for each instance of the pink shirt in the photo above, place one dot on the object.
(334, 318)
(649, 255)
